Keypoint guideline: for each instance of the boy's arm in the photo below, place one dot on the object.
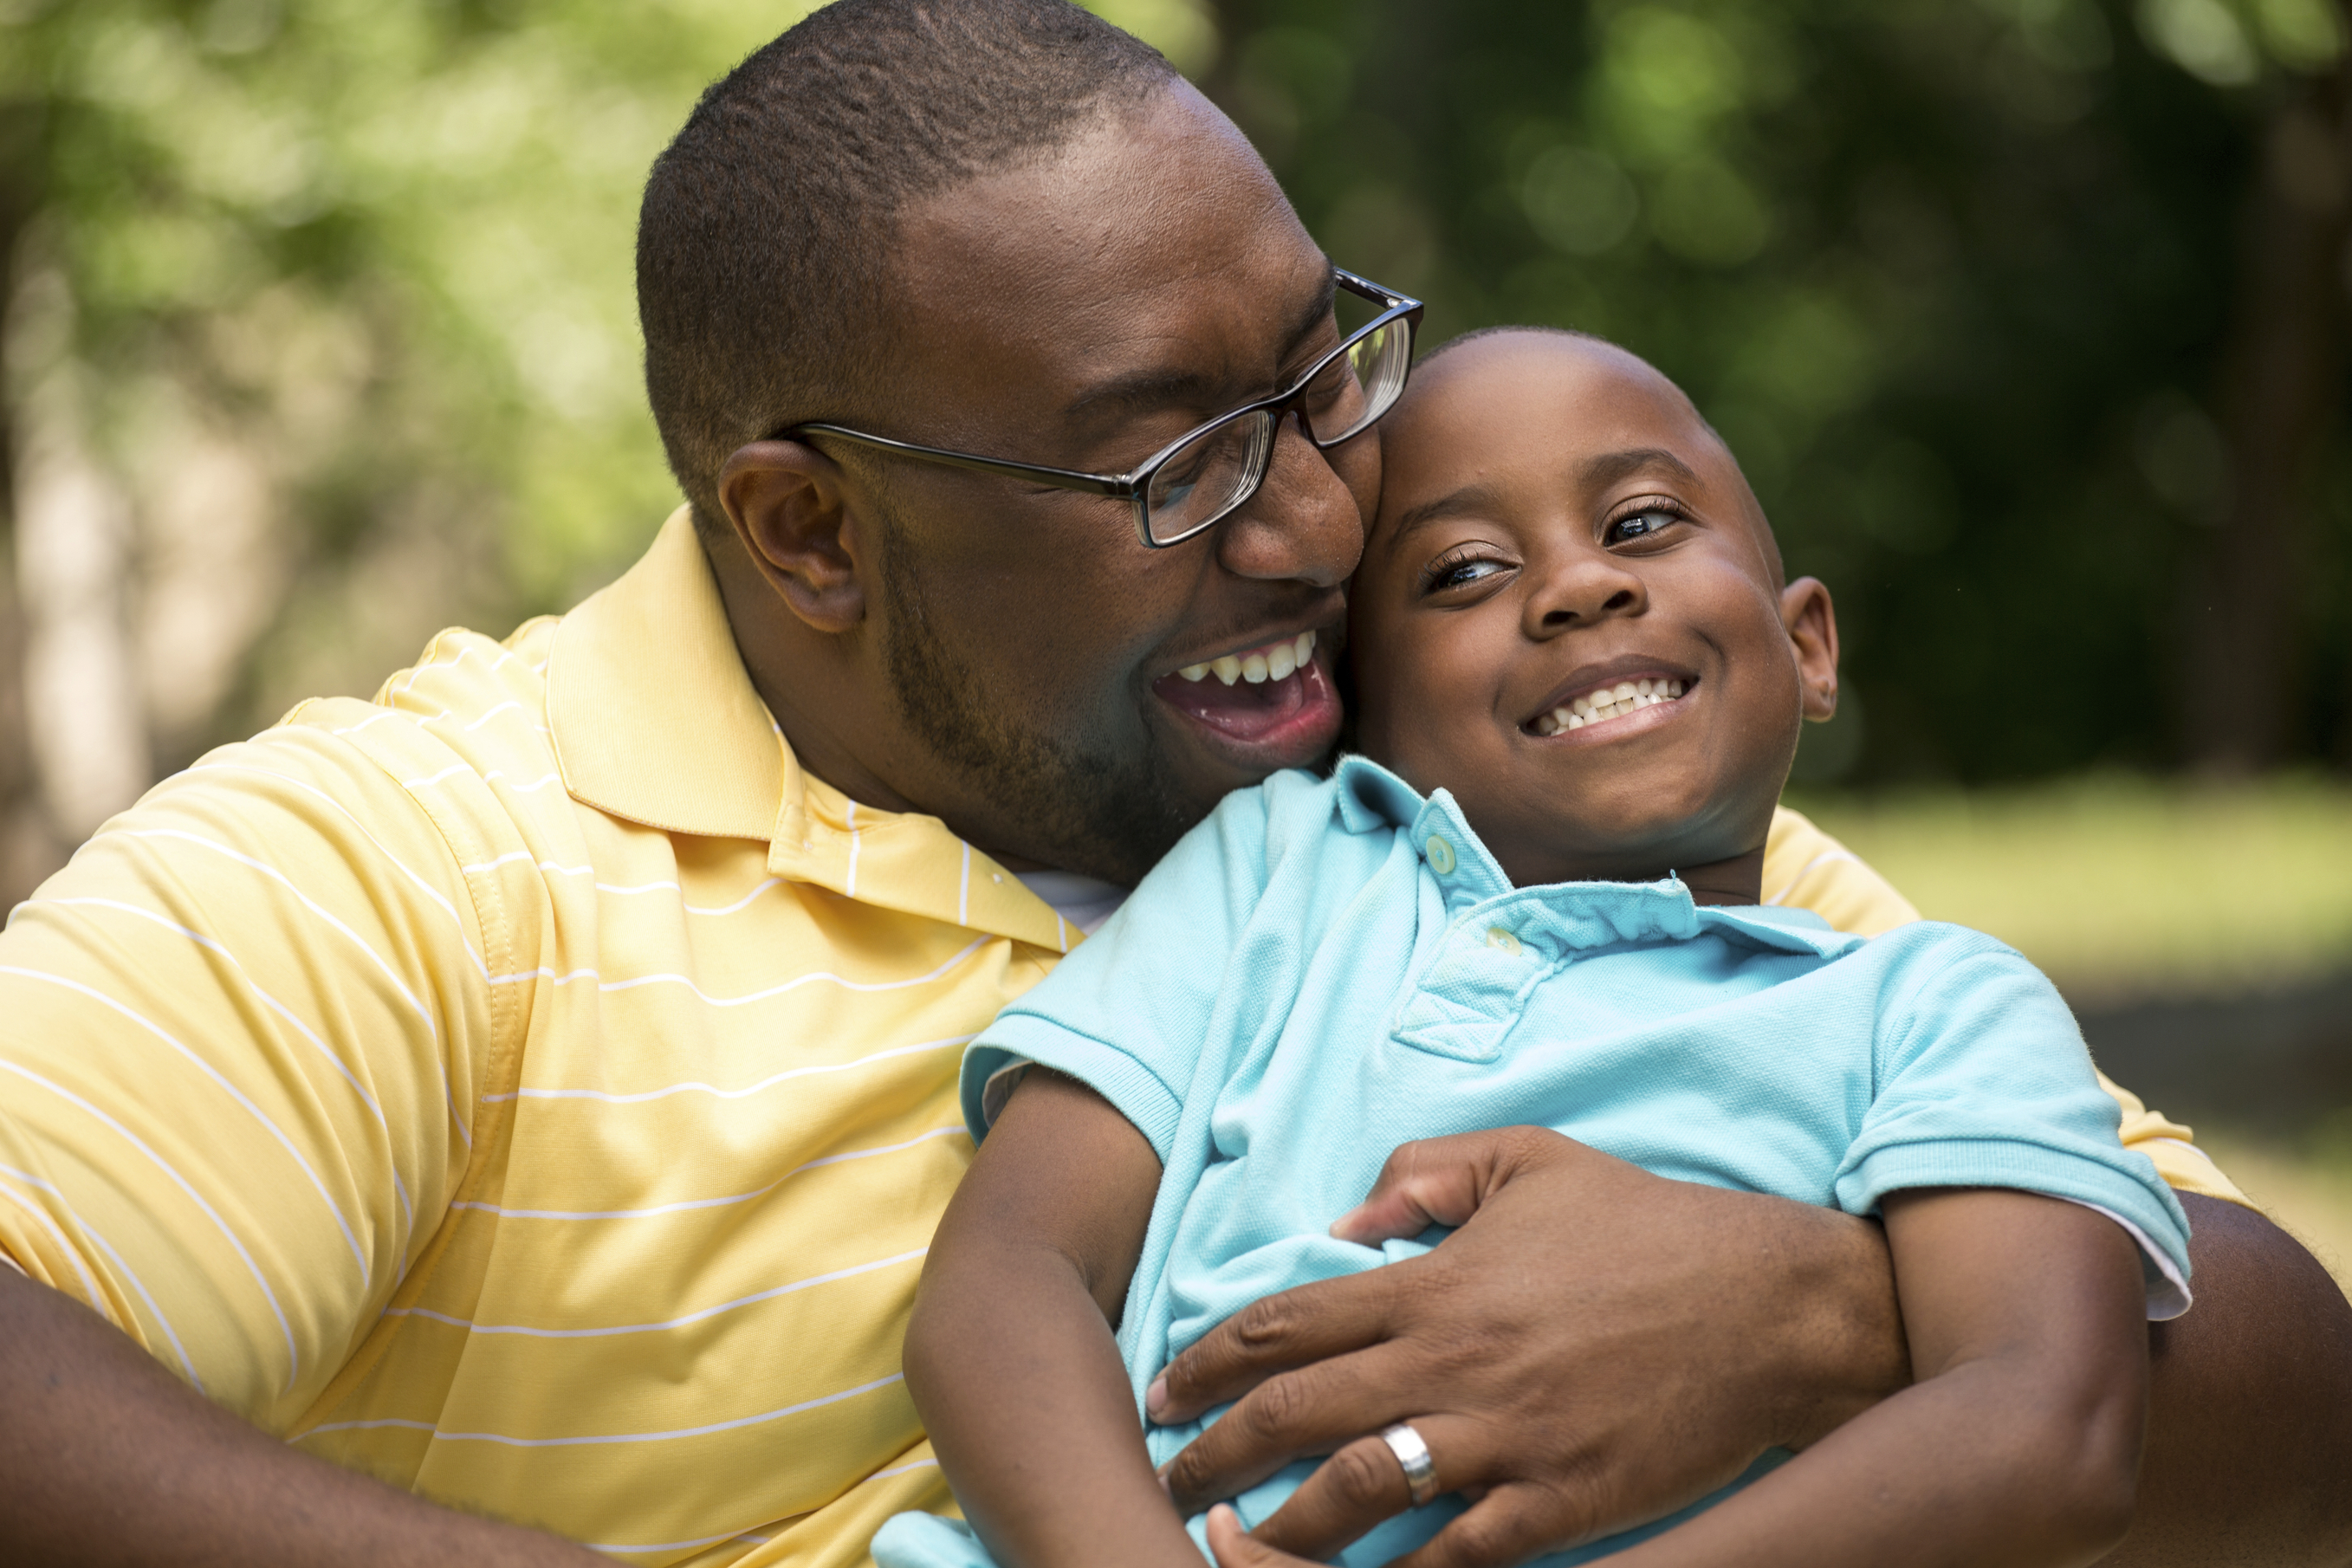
(2020, 1442)
(1010, 1356)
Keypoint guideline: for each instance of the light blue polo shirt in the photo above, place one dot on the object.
(1327, 968)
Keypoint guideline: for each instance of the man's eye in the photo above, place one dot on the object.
(1641, 525)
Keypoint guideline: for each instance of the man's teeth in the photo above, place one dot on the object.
(1276, 661)
(1608, 702)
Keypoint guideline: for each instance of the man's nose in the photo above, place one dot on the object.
(1302, 525)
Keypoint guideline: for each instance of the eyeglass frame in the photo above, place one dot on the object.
(1136, 484)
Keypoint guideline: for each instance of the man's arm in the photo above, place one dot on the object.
(1615, 1340)
(112, 1462)
(1010, 1356)
(2250, 1430)
(2020, 1440)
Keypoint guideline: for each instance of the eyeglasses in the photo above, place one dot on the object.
(1194, 481)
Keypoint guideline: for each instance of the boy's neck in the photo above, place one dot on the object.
(1739, 880)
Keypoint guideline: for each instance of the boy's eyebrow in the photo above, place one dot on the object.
(1599, 472)
(1611, 466)
(1470, 499)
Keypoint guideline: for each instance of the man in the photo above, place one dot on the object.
(535, 1088)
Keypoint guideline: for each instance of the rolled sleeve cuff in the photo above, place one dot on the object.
(1013, 1044)
(2147, 1212)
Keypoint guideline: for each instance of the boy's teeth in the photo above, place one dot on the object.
(1608, 702)
(1276, 661)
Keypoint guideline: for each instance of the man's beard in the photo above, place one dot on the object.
(1093, 811)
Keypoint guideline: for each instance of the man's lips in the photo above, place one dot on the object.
(1242, 701)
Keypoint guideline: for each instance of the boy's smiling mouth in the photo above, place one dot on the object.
(1605, 701)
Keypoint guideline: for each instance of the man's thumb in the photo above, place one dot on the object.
(1432, 1181)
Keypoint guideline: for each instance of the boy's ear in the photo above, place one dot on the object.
(1812, 621)
(790, 506)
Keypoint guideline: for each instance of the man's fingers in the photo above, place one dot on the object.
(1503, 1529)
(1312, 1323)
(1361, 1484)
(1233, 1548)
(1436, 1181)
(1311, 1411)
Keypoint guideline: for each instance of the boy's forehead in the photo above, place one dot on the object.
(1578, 394)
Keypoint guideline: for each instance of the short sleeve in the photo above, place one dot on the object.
(1983, 1081)
(1130, 1012)
(1804, 868)
(239, 1034)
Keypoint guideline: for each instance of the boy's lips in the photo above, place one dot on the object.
(1272, 702)
(1608, 698)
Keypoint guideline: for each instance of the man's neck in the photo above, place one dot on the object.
(807, 703)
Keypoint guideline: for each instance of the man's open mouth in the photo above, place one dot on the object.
(1615, 699)
(1255, 695)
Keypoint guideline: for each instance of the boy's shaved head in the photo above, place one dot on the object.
(1571, 613)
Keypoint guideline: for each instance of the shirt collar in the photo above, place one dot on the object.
(655, 720)
(1583, 914)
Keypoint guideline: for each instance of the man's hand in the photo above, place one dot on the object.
(1594, 1348)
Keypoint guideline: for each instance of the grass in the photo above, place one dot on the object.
(2123, 888)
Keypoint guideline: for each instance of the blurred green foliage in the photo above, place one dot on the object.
(386, 245)
(1954, 278)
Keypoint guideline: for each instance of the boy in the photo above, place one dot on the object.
(1583, 672)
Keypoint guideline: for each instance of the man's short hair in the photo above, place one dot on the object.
(764, 243)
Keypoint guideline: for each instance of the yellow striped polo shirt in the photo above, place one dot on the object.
(532, 1089)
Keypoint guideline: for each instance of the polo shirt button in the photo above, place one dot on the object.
(1441, 855)
(1502, 941)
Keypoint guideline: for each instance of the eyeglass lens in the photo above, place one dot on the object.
(1217, 469)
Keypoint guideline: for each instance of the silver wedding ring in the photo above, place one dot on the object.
(1420, 1468)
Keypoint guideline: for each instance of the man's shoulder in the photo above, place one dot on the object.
(471, 703)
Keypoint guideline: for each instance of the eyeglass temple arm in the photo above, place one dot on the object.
(1370, 290)
(1060, 478)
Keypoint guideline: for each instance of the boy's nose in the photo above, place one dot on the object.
(1591, 587)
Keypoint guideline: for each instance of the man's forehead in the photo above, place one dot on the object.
(1144, 261)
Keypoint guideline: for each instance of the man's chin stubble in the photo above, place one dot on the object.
(1093, 812)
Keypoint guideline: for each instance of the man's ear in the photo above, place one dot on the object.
(1812, 620)
(789, 504)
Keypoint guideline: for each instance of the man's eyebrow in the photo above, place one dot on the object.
(1158, 387)
(1611, 466)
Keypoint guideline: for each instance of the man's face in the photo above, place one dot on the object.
(1557, 523)
(1082, 314)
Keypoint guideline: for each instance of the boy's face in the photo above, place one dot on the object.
(1556, 521)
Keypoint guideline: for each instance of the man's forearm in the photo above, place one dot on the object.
(2249, 1426)
(105, 1459)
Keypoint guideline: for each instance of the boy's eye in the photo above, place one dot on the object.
(1459, 573)
(1640, 524)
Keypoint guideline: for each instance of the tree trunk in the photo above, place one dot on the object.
(2278, 387)
(85, 725)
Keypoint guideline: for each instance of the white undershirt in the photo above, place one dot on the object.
(1082, 901)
